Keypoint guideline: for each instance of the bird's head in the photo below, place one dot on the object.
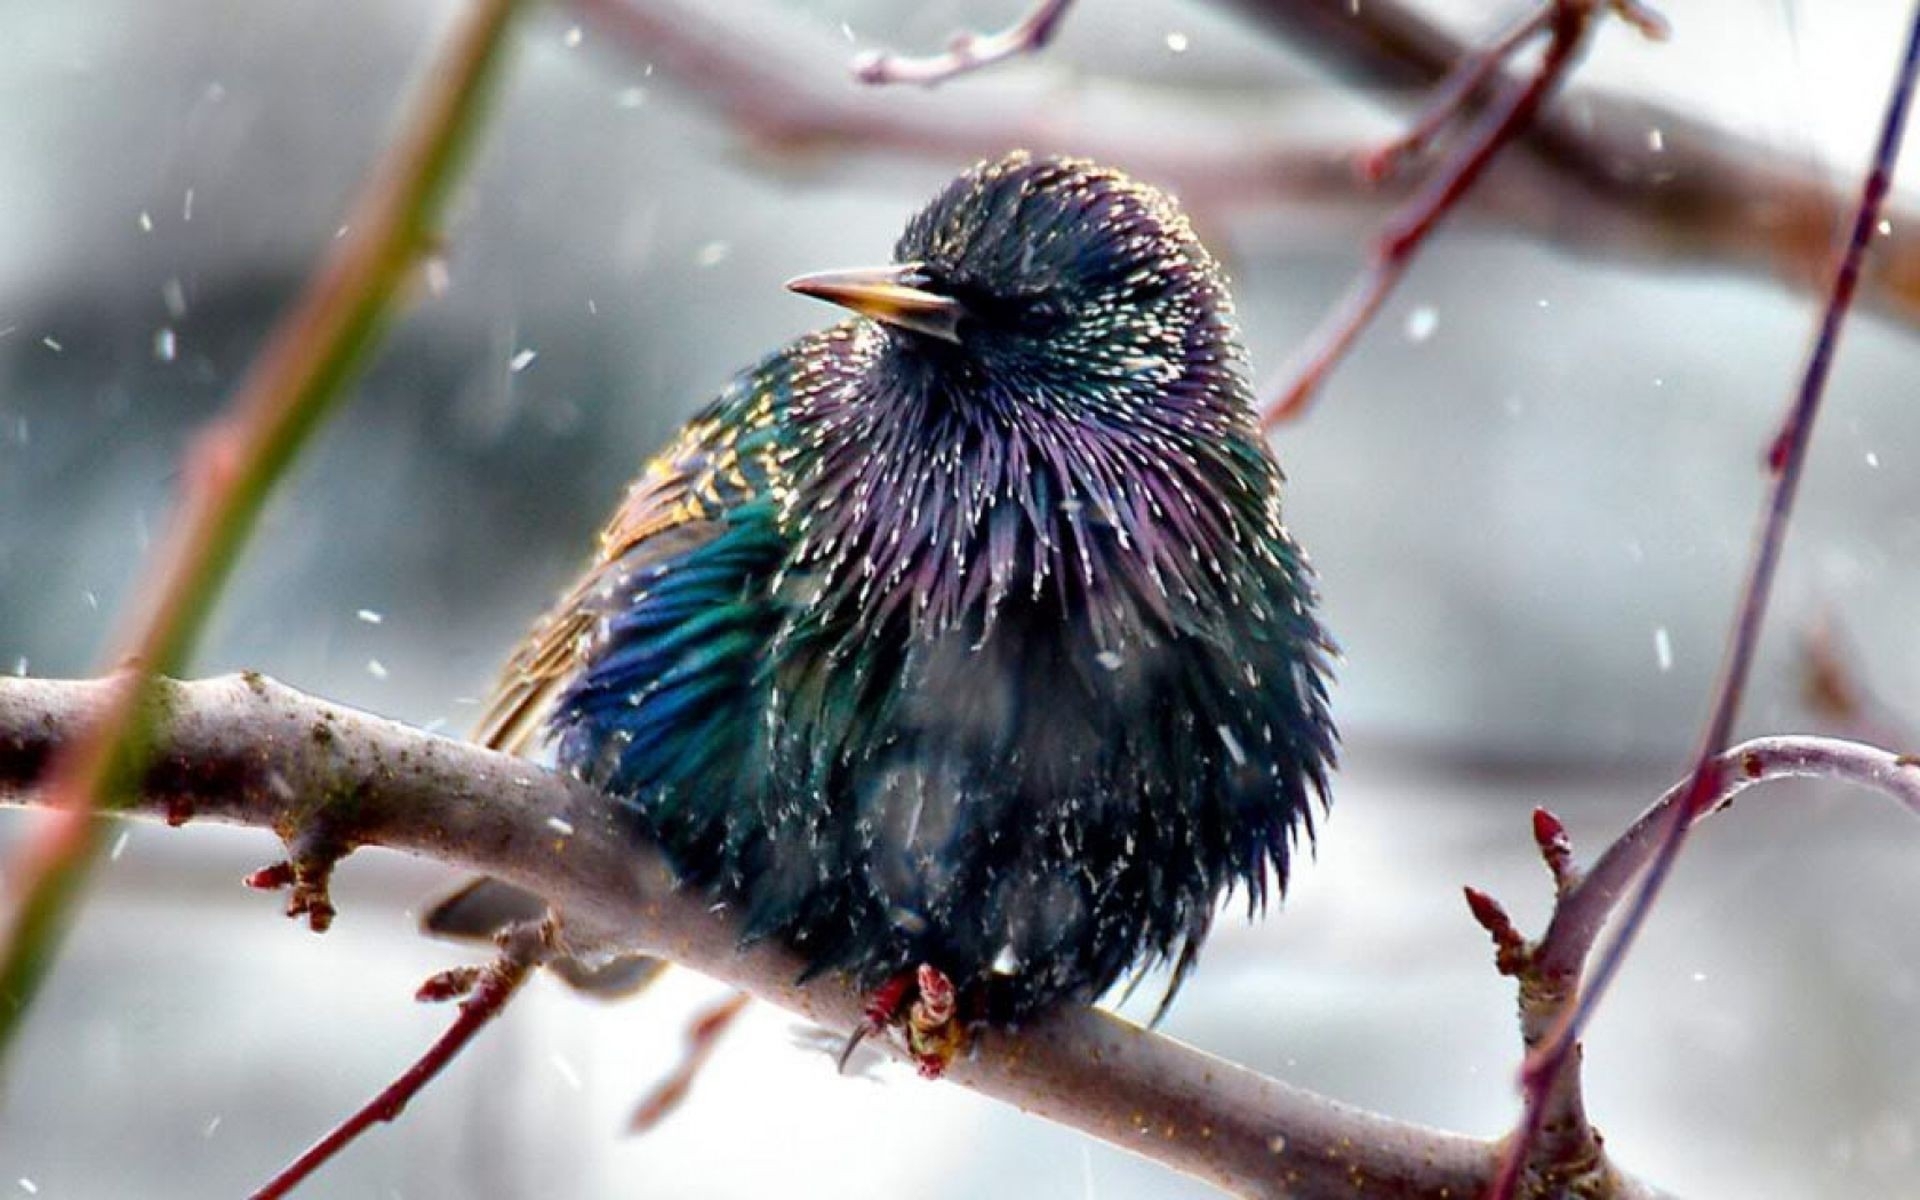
(1054, 281)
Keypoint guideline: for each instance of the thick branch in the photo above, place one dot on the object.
(249, 751)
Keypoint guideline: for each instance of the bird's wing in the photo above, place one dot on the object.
(683, 500)
(661, 614)
(657, 520)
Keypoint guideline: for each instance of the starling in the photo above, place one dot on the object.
(960, 646)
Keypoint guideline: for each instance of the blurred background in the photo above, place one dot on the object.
(1530, 493)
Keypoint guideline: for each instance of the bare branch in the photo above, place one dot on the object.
(1565, 1150)
(1568, 25)
(1786, 457)
(967, 51)
(249, 751)
(485, 992)
(242, 749)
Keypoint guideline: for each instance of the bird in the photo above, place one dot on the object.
(960, 646)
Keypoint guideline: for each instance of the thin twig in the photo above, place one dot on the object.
(1786, 457)
(1567, 24)
(703, 1037)
(486, 993)
(1549, 972)
(230, 471)
(967, 51)
(1456, 93)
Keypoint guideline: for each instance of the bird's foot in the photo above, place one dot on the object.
(934, 1032)
(925, 1004)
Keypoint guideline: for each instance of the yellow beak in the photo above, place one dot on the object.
(883, 294)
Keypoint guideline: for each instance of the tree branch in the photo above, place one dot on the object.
(1568, 26)
(968, 51)
(245, 750)
(1587, 180)
(1553, 1053)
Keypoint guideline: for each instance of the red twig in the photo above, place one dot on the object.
(1566, 24)
(1474, 72)
(1548, 972)
(967, 51)
(486, 991)
(1786, 457)
(703, 1035)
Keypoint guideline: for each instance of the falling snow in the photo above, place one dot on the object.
(713, 253)
(522, 360)
(572, 37)
(1421, 323)
(370, 616)
(1663, 648)
(165, 345)
(376, 668)
(1177, 42)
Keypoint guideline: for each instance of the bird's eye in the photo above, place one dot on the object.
(1032, 314)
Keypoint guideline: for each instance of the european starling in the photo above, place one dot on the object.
(960, 645)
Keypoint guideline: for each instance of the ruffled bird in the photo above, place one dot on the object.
(960, 646)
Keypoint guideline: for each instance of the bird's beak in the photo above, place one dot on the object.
(885, 294)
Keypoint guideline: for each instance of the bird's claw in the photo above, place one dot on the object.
(924, 1003)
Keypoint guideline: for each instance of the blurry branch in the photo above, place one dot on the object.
(1589, 177)
(1568, 26)
(1695, 193)
(968, 51)
(703, 1037)
(229, 473)
(1835, 686)
(327, 779)
(782, 86)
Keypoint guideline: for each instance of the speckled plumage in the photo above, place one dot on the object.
(986, 651)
